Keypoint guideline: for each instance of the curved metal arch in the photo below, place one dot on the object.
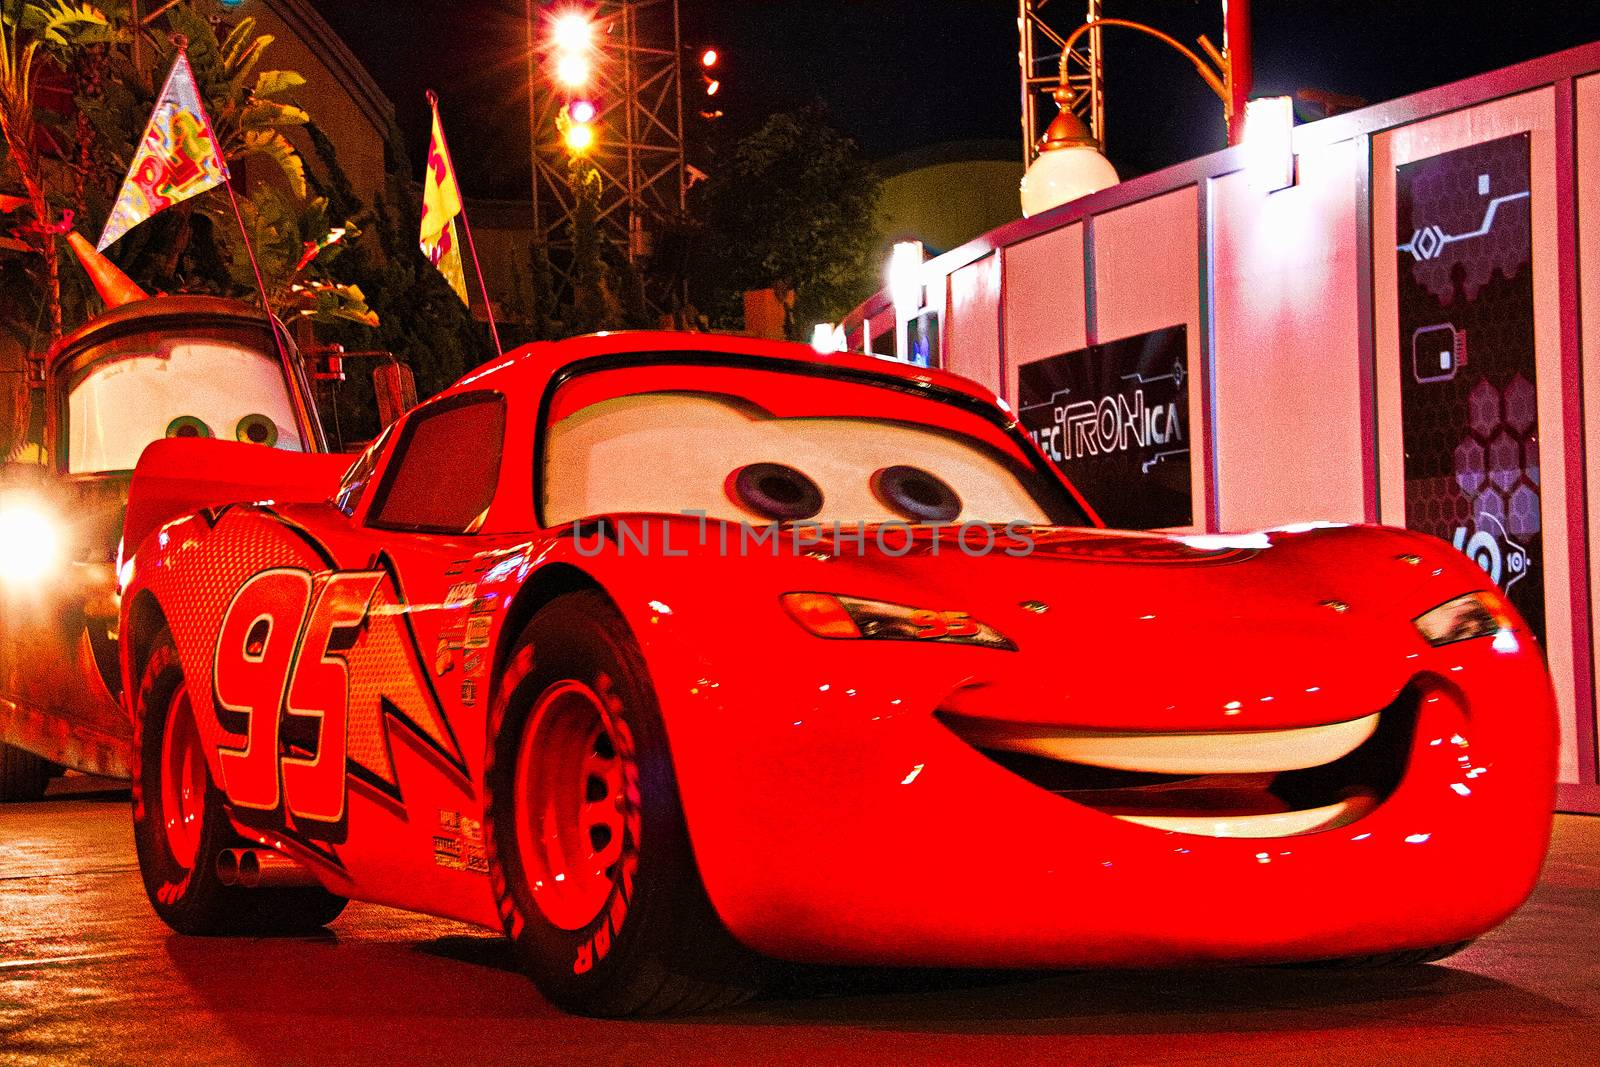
(1215, 80)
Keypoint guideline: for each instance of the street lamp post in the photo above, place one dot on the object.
(1070, 164)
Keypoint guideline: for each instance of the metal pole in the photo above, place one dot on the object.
(677, 76)
(1097, 88)
(630, 75)
(1025, 61)
(533, 113)
(309, 424)
(138, 36)
(1240, 69)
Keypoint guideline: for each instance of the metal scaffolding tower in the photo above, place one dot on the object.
(1041, 65)
(637, 88)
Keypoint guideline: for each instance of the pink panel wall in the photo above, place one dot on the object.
(1588, 151)
(1288, 369)
(1044, 299)
(1147, 275)
(972, 334)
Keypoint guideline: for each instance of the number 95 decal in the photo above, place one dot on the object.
(278, 665)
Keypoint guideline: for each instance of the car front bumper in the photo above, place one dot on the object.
(835, 819)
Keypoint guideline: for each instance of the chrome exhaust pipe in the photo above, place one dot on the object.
(228, 866)
(261, 868)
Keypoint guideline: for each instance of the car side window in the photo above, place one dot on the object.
(442, 475)
(360, 473)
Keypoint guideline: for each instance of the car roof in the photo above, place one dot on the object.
(533, 365)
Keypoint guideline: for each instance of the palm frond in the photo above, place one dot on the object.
(263, 114)
(272, 82)
(55, 22)
(274, 146)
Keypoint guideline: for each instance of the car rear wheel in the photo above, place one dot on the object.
(180, 827)
(590, 857)
(23, 776)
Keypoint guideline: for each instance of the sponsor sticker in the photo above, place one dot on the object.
(478, 631)
(458, 844)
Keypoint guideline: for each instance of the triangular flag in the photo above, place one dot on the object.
(446, 255)
(177, 158)
(441, 203)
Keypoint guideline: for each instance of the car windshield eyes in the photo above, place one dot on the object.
(775, 491)
(188, 426)
(257, 429)
(916, 494)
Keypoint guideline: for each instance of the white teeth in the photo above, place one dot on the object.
(1239, 752)
(1277, 824)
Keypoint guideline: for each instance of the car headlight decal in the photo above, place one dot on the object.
(1480, 614)
(839, 617)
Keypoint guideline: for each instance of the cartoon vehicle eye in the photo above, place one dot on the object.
(916, 494)
(258, 430)
(775, 491)
(188, 426)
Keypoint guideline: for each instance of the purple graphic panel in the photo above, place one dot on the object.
(1467, 377)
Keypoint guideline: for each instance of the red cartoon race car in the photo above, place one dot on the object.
(668, 653)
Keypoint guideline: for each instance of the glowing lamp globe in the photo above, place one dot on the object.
(1069, 165)
(572, 32)
(579, 138)
(572, 70)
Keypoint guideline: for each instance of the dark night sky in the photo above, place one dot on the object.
(900, 74)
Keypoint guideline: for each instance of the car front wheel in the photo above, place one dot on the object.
(592, 868)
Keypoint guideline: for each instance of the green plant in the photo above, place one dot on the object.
(30, 33)
(790, 205)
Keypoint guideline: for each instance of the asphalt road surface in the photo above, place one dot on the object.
(89, 976)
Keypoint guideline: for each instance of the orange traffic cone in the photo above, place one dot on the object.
(114, 287)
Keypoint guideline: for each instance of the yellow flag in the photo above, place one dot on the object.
(441, 203)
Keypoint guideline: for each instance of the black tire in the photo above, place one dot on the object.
(1415, 957)
(655, 945)
(23, 776)
(189, 897)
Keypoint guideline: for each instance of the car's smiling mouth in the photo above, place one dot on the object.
(1246, 784)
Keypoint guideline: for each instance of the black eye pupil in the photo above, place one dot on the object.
(256, 431)
(782, 489)
(775, 491)
(916, 494)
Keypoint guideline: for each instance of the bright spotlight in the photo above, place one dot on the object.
(579, 137)
(572, 32)
(905, 277)
(709, 57)
(32, 542)
(826, 338)
(582, 110)
(1269, 142)
(572, 70)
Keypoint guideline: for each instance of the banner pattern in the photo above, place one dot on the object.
(177, 158)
